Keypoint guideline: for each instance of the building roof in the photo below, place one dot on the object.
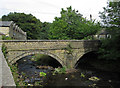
(9, 23)
(5, 23)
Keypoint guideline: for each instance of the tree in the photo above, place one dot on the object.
(44, 30)
(110, 48)
(26, 22)
(71, 25)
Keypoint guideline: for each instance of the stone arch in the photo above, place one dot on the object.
(37, 52)
(81, 55)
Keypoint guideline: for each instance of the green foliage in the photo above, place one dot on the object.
(42, 74)
(71, 25)
(26, 22)
(14, 69)
(110, 48)
(4, 49)
(89, 38)
(14, 72)
(44, 30)
(82, 75)
(18, 81)
(110, 16)
(60, 70)
(6, 38)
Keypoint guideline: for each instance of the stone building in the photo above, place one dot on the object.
(9, 28)
(103, 34)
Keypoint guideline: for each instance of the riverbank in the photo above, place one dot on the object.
(6, 78)
(94, 74)
(103, 76)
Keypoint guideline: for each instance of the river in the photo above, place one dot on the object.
(85, 75)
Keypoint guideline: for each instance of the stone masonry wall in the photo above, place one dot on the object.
(67, 52)
(4, 30)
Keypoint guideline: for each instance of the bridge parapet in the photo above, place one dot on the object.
(67, 52)
(49, 44)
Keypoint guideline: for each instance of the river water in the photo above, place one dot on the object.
(85, 75)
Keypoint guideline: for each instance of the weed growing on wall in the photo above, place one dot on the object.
(4, 50)
(59, 70)
(6, 37)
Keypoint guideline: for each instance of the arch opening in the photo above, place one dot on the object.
(40, 60)
(32, 65)
(85, 62)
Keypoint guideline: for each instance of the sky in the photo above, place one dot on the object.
(47, 10)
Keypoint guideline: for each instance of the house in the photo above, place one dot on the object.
(103, 34)
(9, 28)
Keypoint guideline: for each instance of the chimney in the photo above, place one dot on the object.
(90, 17)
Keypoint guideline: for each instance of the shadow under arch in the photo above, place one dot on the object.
(84, 61)
(14, 60)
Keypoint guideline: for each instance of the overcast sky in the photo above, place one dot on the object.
(47, 10)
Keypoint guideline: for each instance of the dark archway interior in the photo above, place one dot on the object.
(40, 59)
(46, 60)
(85, 61)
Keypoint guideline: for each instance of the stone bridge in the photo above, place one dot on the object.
(66, 52)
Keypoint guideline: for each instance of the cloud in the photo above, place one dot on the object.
(46, 10)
